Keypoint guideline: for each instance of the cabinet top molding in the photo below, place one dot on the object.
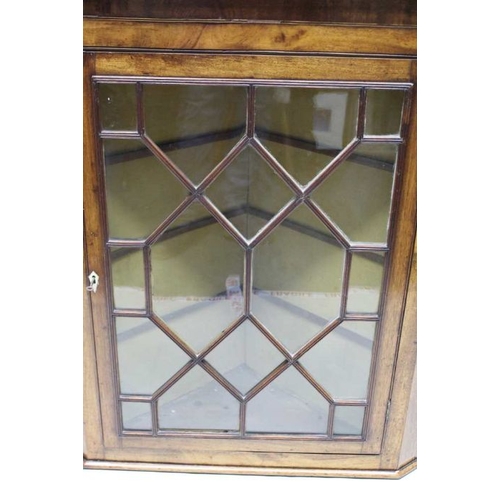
(374, 12)
(351, 27)
(128, 34)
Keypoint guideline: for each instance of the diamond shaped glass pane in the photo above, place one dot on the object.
(140, 191)
(297, 279)
(357, 195)
(195, 125)
(117, 106)
(147, 358)
(341, 361)
(197, 276)
(383, 112)
(290, 404)
(348, 420)
(198, 402)
(305, 128)
(245, 357)
(365, 282)
(249, 192)
(136, 416)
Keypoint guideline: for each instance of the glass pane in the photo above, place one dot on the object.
(136, 416)
(147, 358)
(341, 361)
(140, 191)
(297, 279)
(245, 357)
(197, 401)
(127, 268)
(383, 112)
(305, 128)
(357, 195)
(117, 106)
(290, 404)
(195, 125)
(348, 420)
(197, 277)
(365, 282)
(249, 192)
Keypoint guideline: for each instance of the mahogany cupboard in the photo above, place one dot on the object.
(250, 221)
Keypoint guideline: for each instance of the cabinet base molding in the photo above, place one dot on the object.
(250, 471)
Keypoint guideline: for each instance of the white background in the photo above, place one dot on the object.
(41, 217)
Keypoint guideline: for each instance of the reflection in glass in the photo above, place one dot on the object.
(136, 416)
(290, 404)
(365, 282)
(147, 358)
(249, 192)
(305, 128)
(197, 277)
(195, 125)
(140, 191)
(297, 279)
(117, 106)
(357, 194)
(383, 112)
(348, 420)
(199, 402)
(341, 361)
(127, 269)
(245, 357)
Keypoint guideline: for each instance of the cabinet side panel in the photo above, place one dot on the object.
(400, 439)
(407, 350)
(409, 447)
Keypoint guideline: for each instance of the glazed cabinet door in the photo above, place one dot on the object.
(245, 217)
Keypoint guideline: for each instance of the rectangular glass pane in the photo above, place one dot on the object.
(383, 112)
(136, 416)
(127, 269)
(365, 282)
(117, 106)
(348, 420)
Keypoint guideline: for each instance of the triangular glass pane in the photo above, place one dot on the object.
(341, 361)
(140, 191)
(305, 128)
(196, 268)
(195, 125)
(245, 357)
(198, 402)
(147, 358)
(297, 280)
(249, 192)
(289, 404)
(357, 195)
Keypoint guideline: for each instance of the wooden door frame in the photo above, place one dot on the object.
(103, 441)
